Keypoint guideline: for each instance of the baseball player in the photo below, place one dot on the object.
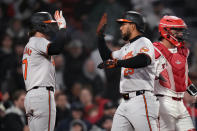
(39, 70)
(172, 71)
(139, 109)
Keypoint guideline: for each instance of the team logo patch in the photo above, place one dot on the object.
(178, 62)
(144, 49)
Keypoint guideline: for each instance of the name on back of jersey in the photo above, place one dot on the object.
(27, 51)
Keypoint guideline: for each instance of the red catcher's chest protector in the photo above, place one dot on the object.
(175, 71)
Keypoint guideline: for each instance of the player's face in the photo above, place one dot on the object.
(125, 31)
(178, 33)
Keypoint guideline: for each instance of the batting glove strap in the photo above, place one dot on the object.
(108, 64)
(60, 19)
(192, 90)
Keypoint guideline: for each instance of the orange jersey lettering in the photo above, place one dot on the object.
(27, 51)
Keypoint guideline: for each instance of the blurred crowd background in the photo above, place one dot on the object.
(86, 97)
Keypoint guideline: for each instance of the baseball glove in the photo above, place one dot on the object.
(108, 64)
(102, 25)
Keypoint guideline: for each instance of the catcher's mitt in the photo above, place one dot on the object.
(108, 64)
(102, 24)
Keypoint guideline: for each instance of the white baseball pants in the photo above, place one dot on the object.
(174, 115)
(139, 113)
(41, 109)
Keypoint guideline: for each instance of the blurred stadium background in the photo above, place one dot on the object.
(85, 96)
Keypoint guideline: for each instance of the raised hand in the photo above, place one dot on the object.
(60, 19)
(102, 24)
(108, 64)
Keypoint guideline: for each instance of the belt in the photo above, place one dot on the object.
(127, 96)
(173, 98)
(49, 88)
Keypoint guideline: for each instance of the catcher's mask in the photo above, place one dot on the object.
(173, 29)
(133, 17)
(44, 23)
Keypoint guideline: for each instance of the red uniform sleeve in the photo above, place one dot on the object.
(157, 54)
(189, 82)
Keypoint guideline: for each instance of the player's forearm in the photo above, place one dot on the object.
(104, 51)
(139, 61)
(57, 45)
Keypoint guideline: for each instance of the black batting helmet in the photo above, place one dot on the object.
(133, 17)
(42, 22)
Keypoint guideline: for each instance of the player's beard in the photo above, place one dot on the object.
(126, 36)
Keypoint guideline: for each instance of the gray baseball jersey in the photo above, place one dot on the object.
(136, 79)
(38, 67)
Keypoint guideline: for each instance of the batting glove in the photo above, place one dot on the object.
(60, 19)
(102, 25)
(108, 64)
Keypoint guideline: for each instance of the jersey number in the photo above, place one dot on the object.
(128, 72)
(26, 65)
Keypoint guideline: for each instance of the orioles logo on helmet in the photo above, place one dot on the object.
(169, 23)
